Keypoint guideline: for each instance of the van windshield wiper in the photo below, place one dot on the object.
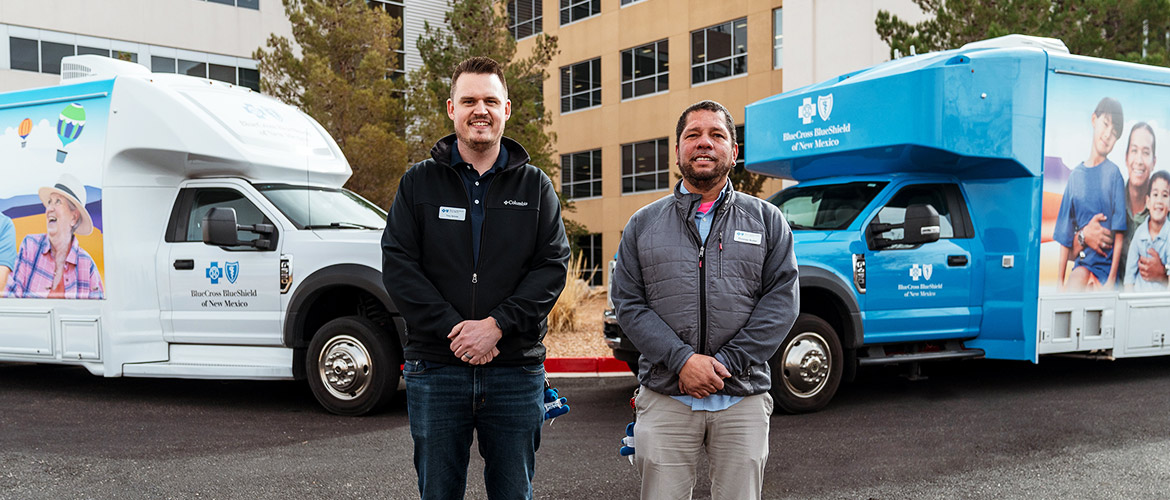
(340, 225)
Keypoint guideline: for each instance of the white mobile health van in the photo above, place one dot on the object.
(157, 225)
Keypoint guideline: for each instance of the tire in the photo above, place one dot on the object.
(351, 367)
(807, 369)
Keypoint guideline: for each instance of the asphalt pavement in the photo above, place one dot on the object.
(1066, 428)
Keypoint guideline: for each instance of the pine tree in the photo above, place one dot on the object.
(340, 73)
(1127, 30)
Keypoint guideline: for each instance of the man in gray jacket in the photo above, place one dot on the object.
(706, 288)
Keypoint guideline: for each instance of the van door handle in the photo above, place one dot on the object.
(185, 264)
(956, 260)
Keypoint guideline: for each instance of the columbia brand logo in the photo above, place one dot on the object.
(516, 203)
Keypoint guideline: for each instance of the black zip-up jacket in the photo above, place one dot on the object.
(427, 262)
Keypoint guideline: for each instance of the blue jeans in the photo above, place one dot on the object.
(503, 406)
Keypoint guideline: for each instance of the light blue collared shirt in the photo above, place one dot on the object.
(714, 402)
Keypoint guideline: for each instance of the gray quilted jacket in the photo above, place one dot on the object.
(734, 298)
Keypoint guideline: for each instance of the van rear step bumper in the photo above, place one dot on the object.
(878, 356)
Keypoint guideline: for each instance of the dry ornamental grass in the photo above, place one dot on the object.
(575, 325)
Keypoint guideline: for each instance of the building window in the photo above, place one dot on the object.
(45, 57)
(244, 77)
(245, 4)
(627, 2)
(739, 160)
(645, 70)
(777, 38)
(525, 18)
(248, 78)
(51, 55)
(719, 51)
(591, 258)
(394, 9)
(576, 10)
(581, 85)
(645, 166)
(32, 54)
(581, 174)
(25, 54)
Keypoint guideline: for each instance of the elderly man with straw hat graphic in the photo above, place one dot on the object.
(53, 265)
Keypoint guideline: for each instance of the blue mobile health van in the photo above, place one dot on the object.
(1002, 200)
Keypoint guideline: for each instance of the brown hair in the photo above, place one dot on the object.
(479, 65)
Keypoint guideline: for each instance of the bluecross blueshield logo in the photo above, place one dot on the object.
(233, 271)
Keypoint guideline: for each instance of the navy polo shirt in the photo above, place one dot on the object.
(477, 186)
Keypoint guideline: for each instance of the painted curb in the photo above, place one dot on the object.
(584, 366)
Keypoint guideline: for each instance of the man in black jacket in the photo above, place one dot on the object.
(474, 256)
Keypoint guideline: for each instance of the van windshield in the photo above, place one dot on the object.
(827, 206)
(323, 208)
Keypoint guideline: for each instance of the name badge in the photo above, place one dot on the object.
(451, 213)
(746, 237)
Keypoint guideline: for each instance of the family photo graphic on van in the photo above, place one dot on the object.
(1105, 195)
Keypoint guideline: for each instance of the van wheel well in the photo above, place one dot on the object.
(340, 301)
(827, 306)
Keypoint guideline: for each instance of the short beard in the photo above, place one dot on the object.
(477, 146)
(704, 181)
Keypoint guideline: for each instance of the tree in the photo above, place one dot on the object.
(480, 28)
(339, 72)
(1127, 30)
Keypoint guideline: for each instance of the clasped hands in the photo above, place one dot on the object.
(702, 376)
(1098, 238)
(474, 341)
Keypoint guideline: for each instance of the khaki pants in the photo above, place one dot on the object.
(669, 437)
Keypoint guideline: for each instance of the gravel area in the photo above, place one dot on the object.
(585, 340)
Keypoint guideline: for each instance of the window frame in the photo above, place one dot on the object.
(567, 10)
(958, 216)
(567, 80)
(661, 162)
(536, 21)
(657, 77)
(593, 181)
(178, 228)
(730, 59)
(778, 38)
(593, 262)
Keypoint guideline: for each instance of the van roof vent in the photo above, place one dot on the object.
(87, 67)
(1015, 41)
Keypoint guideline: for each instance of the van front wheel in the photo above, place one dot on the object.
(806, 370)
(350, 367)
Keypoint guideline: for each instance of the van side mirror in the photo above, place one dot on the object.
(921, 225)
(219, 229)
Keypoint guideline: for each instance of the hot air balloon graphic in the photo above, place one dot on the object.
(24, 130)
(69, 126)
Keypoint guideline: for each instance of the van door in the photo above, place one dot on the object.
(923, 292)
(220, 295)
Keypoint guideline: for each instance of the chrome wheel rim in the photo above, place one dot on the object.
(344, 367)
(807, 362)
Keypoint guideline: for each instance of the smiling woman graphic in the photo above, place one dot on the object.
(53, 265)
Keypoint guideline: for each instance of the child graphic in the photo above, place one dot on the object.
(1151, 235)
(1094, 187)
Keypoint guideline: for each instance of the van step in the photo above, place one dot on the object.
(920, 356)
(169, 369)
